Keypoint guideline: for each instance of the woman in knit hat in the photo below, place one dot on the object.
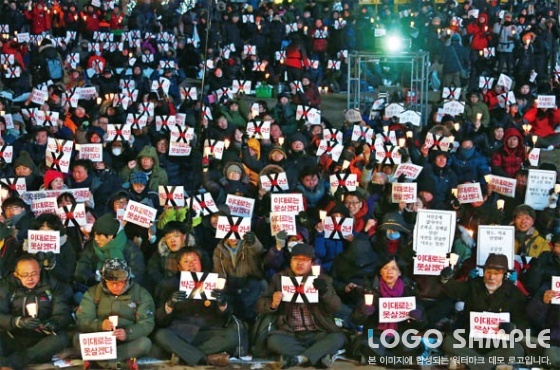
(53, 180)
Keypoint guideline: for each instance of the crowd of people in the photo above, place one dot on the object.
(160, 89)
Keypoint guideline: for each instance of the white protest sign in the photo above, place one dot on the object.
(539, 183)
(179, 149)
(308, 114)
(274, 182)
(299, 289)
(362, 133)
(472, 13)
(332, 134)
(72, 216)
(230, 227)
(59, 161)
(451, 93)
(171, 196)
(453, 107)
(98, 346)
(388, 154)
(15, 183)
(487, 324)
(240, 206)
(505, 81)
(556, 289)
(409, 170)
(394, 110)
(395, 309)
(198, 285)
(213, 148)
(94, 152)
(39, 96)
(495, 239)
(119, 132)
(338, 227)
(139, 214)
(7, 153)
(45, 205)
(43, 241)
(533, 156)
(81, 194)
(411, 116)
(429, 264)
(502, 185)
(346, 180)
(434, 142)
(330, 147)
(434, 231)
(283, 221)
(404, 192)
(546, 101)
(259, 130)
(469, 193)
(286, 203)
(57, 145)
(203, 204)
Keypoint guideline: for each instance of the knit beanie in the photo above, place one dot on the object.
(50, 175)
(138, 177)
(24, 159)
(106, 225)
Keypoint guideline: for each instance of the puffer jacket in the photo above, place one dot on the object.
(506, 162)
(480, 32)
(157, 175)
(248, 261)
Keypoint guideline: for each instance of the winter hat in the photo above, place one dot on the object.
(24, 159)
(455, 38)
(50, 175)
(496, 261)
(115, 269)
(298, 136)
(341, 209)
(394, 221)
(524, 209)
(277, 148)
(106, 225)
(303, 249)
(138, 177)
(234, 167)
(353, 116)
(255, 145)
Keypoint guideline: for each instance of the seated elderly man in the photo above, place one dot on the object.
(306, 332)
(489, 293)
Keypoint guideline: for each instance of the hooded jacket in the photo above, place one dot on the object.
(506, 161)
(480, 32)
(156, 177)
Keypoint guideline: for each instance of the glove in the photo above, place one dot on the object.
(552, 201)
(250, 237)
(415, 314)
(28, 322)
(51, 326)
(507, 327)
(220, 297)
(282, 235)
(245, 139)
(474, 273)
(372, 162)
(320, 285)
(446, 274)
(176, 297)
(50, 261)
(302, 216)
(513, 276)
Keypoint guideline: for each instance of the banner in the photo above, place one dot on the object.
(81, 195)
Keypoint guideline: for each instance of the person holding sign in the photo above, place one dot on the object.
(147, 161)
(32, 317)
(543, 122)
(388, 282)
(118, 295)
(528, 241)
(307, 333)
(489, 293)
(438, 171)
(17, 216)
(199, 331)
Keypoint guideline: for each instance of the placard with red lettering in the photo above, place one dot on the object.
(292, 202)
(240, 206)
(283, 221)
(395, 309)
(179, 149)
(59, 161)
(299, 289)
(388, 155)
(505, 81)
(15, 183)
(213, 148)
(139, 214)
(274, 182)
(45, 205)
(495, 239)
(404, 192)
(533, 156)
(434, 231)
(338, 227)
(539, 183)
(332, 134)
(72, 216)
(469, 193)
(81, 194)
(47, 118)
(546, 101)
(409, 170)
(39, 96)
(203, 204)
(98, 346)
(198, 285)
(362, 133)
(7, 153)
(487, 324)
(171, 196)
(429, 264)
(502, 185)
(411, 116)
(119, 132)
(330, 147)
(137, 120)
(43, 241)
(385, 138)
(309, 115)
(231, 227)
(59, 145)
(348, 181)
(93, 152)
(556, 289)
(259, 129)
(437, 142)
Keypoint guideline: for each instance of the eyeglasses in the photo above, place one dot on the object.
(28, 275)
(352, 203)
(301, 259)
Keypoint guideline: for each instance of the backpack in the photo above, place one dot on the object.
(54, 68)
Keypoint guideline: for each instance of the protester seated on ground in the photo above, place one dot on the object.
(508, 159)
(528, 241)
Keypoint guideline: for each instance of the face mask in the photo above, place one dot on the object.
(376, 188)
(117, 151)
(292, 244)
(393, 235)
(465, 153)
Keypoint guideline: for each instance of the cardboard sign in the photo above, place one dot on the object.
(395, 309)
(495, 239)
(429, 264)
(469, 193)
(348, 181)
(362, 133)
(274, 182)
(539, 183)
(556, 288)
(119, 132)
(309, 115)
(73, 216)
(533, 156)
(338, 227)
(43, 241)
(404, 192)
(240, 206)
(81, 195)
(487, 324)
(198, 285)
(45, 205)
(283, 221)
(502, 185)
(213, 148)
(434, 231)
(299, 289)
(286, 203)
(98, 346)
(203, 204)
(332, 148)
(139, 214)
(230, 227)
(409, 170)
(39, 96)
(15, 183)
(546, 101)
(171, 196)
(259, 130)
(94, 152)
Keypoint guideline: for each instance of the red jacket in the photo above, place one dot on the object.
(543, 123)
(91, 21)
(506, 161)
(296, 57)
(40, 20)
(480, 32)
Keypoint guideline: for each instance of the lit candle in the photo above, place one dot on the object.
(457, 126)
(513, 31)
(454, 192)
(488, 178)
(316, 270)
(500, 204)
(411, 24)
(453, 259)
(385, 129)
(322, 215)
(534, 139)
(478, 116)
(401, 142)
(220, 283)
(326, 89)
(451, 139)
(409, 134)
(226, 143)
(281, 140)
(526, 127)
(557, 188)
(345, 164)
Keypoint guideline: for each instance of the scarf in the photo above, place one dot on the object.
(113, 249)
(386, 292)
